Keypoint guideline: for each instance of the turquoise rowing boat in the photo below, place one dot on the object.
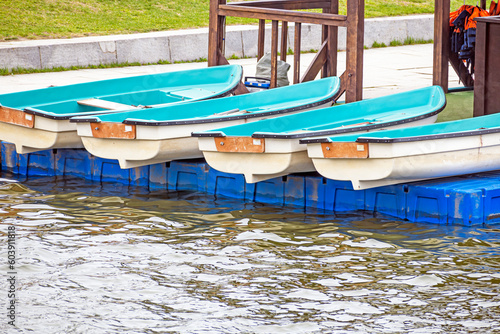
(413, 154)
(271, 148)
(138, 138)
(39, 119)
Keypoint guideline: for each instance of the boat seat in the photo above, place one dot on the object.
(190, 93)
(103, 104)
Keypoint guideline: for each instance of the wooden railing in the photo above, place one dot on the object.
(286, 11)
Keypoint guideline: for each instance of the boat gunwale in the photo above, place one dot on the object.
(231, 118)
(76, 118)
(308, 134)
(386, 140)
(350, 129)
(458, 134)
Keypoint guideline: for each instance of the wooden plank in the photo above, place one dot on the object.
(316, 65)
(441, 43)
(261, 39)
(240, 144)
(296, 53)
(284, 15)
(345, 150)
(285, 4)
(461, 70)
(103, 104)
(274, 55)
(354, 56)
(284, 40)
(17, 117)
(113, 130)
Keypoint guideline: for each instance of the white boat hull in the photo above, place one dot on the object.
(259, 167)
(404, 162)
(136, 153)
(281, 157)
(156, 144)
(45, 134)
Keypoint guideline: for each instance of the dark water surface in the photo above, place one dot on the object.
(106, 258)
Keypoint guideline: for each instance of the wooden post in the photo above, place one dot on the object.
(284, 40)
(215, 33)
(487, 72)
(274, 54)
(261, 39)
(480, 71)
(296, 53)
(332, 37)
(354, 61)
(441, 43)
(324, 39)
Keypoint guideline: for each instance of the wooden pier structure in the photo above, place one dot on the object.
(290, 11)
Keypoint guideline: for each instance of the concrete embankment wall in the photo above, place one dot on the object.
(189, 45)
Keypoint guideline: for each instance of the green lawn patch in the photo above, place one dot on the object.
(459, 105)
(35, 19)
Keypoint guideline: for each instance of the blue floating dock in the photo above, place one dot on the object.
(470, 200)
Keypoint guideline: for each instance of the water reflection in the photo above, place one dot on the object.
(105, 258)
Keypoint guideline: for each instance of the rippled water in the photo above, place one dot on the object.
(105, 258)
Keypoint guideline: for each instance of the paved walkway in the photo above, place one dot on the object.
(386, 71)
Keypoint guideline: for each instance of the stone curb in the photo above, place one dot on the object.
(189, 45)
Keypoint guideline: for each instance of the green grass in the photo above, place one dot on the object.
(35, 19)
(407, 41)
(459, 105)
(20, 70)
(378, 45)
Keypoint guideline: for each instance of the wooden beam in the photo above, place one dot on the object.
(441, 43)
(215, 32)
(324, 34)
(316, 65)
(354, 54)
(283, 15)
(461, 69)
(241, 89)
(343, 85)
(284, 40)
(480, 88)
(285, 4)
(332, 39)
(261, 39)
(274, 55)
(296, 53)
